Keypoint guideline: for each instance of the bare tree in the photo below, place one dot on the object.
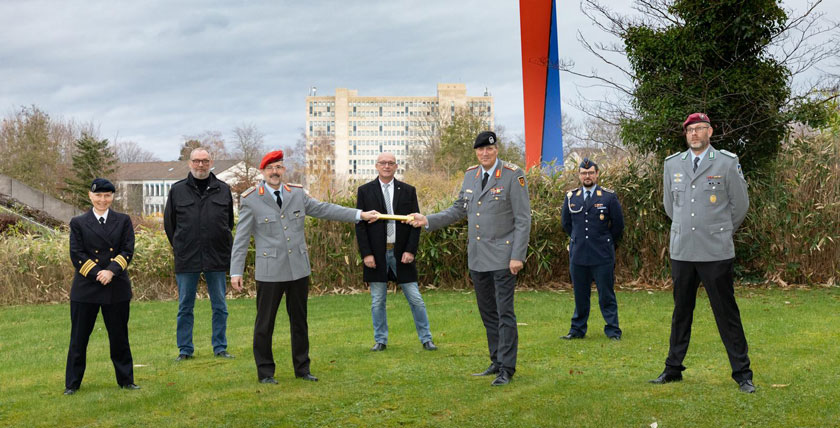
(249, 147)
(295, 157)
(130, 152)
(211, 140)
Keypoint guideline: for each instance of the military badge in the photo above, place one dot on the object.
(602, 216)
(598, 192)
(578, 193)
(522, 181)
(262, 190)
(713, 199)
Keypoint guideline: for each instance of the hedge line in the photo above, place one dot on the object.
(790, 236)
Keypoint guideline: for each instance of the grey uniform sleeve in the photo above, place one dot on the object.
(521, 205)
(739, 198)
(667, 196)
(242, 239)
(328, 211)
(456, 212)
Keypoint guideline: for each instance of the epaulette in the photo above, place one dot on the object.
(607, 190)
(472, 167)
(728, 153)
(249, 191)
(510, 166)
(295, 185)
(673, 155)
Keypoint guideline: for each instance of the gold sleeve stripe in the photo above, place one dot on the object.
(85, 269)
(121, 261)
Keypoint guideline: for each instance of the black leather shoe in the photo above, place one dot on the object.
(70, 391)
(666, 378)
(269, 380)
(493, 369)
(571, 336)
(308, 377)
(130, 386)
(378, 347)
(747, 386)
(502, 379)
(224, 354)
(429, 346)
(183, 357)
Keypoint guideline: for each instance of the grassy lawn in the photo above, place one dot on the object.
(793, 337)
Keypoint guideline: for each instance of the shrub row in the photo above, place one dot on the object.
(790, 236)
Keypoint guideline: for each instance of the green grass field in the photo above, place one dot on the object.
(793, 337)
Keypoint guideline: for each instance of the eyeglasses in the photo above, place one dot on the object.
(275, 168)
(383, 163)
(200, 161)
(696, 129)
(588, 172)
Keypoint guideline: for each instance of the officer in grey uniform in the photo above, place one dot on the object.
(494, 199)
(705, 195)
(273, 213)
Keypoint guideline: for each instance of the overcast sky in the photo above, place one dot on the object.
(154, 71)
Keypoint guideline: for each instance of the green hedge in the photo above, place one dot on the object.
(790, 236)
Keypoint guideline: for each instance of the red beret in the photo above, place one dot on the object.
(696, 117)
(271, 157)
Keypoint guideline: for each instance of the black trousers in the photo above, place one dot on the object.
(717, 278)
(494, 295)
(82, 319)
(269, 295)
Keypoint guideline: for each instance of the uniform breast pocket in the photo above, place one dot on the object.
(715, 193)
(678, 193)
(266, 220)
(501, 197)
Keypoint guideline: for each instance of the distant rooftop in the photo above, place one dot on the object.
(174, 170)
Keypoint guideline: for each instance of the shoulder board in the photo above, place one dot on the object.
(728, 153)
(472, 167)
(510, 166)
(673, 155)
(295, 185)
(608, 190)
(249, 191)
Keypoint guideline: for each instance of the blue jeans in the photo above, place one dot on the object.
(187, 286)
(378, 294)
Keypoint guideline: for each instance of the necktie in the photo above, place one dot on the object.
(392, 225)
(102, 221)
(588, 194)
(696, 162)
(484, 180)
(279, 200)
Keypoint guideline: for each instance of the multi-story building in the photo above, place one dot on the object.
(346, 132)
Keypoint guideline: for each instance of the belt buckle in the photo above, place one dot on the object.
(389, 246)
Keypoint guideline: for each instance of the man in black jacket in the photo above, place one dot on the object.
(388, 249)
(198, 219)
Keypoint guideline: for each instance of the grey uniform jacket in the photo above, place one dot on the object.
(499, 217)
(705, 207)
(281, 253)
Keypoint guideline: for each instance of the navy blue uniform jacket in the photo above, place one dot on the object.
(595, 227)
(94, 247)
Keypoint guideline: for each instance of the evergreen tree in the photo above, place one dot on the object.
(93, 158)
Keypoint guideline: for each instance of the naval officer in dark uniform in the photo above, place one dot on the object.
(705, 196)
(494, 199)
(101, 247)
(592, 218)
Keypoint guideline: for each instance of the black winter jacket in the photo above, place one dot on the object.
(199, 225)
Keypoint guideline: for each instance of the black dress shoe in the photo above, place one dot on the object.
(571, 336)
(378, 347)
(493, 369)
(224, 354)
(429, 346)
(183, 357)
(269, 380)
(130, 386)
(70, 391)
(502, 379)
(666, 378)
(747, 386)
(308, 377)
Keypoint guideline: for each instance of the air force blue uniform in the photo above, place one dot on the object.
(595, 225)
